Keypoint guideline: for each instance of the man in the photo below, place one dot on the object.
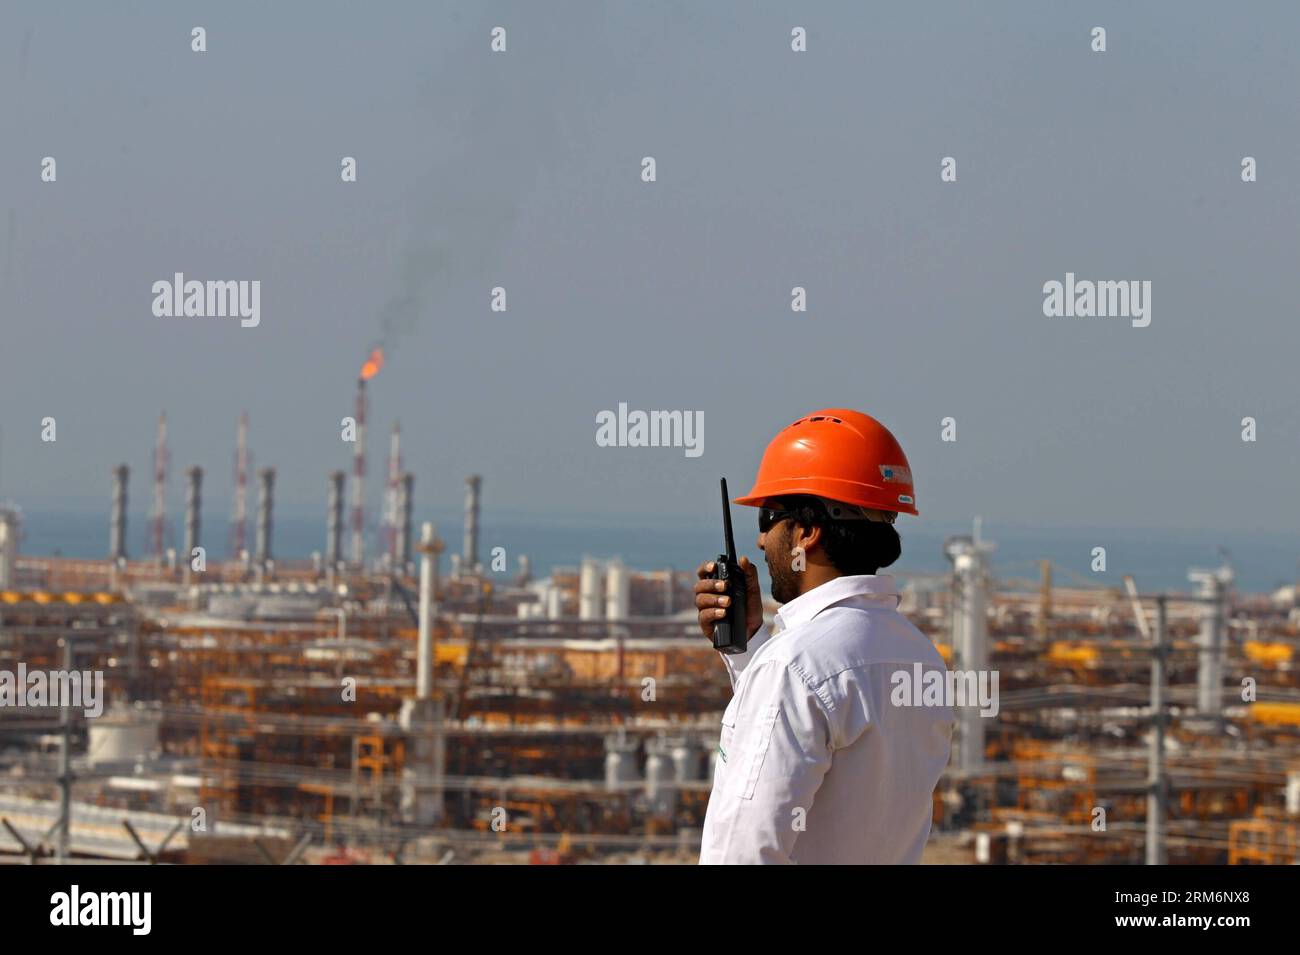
(815, 764)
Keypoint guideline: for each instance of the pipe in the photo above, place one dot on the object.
(342, 633)
(64, 844)
(473, 484)
(1157, 787)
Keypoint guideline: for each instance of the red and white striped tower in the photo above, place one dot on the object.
(369, 369)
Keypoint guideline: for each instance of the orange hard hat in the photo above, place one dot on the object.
(839, 455)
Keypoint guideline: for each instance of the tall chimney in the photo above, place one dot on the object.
(117, 519)
(160, 459)
(1212, 588)
(9, 534)
(428, 609)
(359, 481)
(472, 485)
(402, 543)
(393, 498)
(334, 522)
(970, 560)
(239, 507)
(421, 717)
(193, 506)
(266, 477)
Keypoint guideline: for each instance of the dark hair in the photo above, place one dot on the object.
(852, 547)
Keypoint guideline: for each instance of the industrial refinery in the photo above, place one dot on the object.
(396, 707)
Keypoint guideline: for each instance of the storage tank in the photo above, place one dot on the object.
(554, 601)
(589, 591)
(232, 606)
(618, 591)
(686, 759)
(660, 776)
(123, 735)
(620, 762)
(288, 606)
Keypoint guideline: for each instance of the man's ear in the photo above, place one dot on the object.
(808, 538)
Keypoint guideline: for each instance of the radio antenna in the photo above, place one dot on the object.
(726, 523)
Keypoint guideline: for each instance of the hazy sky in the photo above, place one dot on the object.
(775, 169)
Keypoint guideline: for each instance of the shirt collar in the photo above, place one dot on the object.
(806, 606)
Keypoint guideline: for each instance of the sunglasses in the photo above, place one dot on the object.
(769, 517)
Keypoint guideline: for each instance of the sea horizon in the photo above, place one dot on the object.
(1158, 559)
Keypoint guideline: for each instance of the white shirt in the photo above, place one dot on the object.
(815, 764)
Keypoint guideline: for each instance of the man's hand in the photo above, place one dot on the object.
(712, 599)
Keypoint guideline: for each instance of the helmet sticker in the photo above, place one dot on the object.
(896, 472)
(905, 499)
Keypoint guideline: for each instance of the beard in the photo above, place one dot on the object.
(785, 583)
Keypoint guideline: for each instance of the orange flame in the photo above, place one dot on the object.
(373, 364)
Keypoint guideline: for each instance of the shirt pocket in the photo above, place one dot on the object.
(757, 750)
(727, 736)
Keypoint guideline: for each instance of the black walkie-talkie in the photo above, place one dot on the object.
(731, 634)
